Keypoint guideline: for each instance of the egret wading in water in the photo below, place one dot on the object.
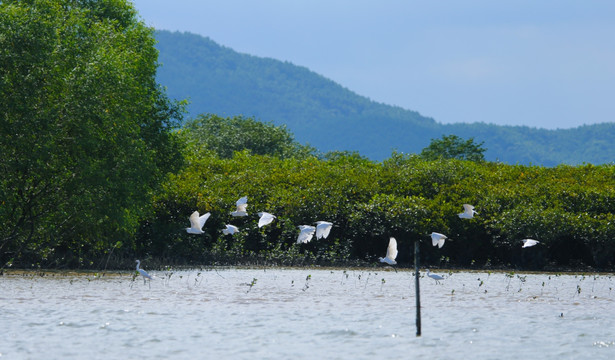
(438, 239)
(391, 253)
(143, 272)
(241, 204)
(435, 276)
(265, 218)
(197, 222)
(305, 234)
(230, 230)
(529, 242)
(323, 228)
(468, 212)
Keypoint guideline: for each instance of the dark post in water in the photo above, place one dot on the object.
(416, 285)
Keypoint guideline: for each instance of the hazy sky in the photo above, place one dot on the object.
(545, 63)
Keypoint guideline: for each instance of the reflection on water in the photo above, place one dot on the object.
(306, 314)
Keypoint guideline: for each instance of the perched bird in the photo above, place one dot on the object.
(438, 239)
(265, 218)
(143, 272)
(529, 242)
(391, 252)
(305, 234)
(468, 212)
(230, 230)
(242, 204)
(197, 222)
(323, 228)
(435, 276)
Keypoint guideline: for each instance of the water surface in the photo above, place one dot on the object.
(306, 314)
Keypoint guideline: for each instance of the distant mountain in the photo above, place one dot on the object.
(326, 115)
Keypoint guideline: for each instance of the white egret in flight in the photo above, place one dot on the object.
(438, 239)
(242, 204)
(435, 276)
(323, 228)
(305, 234)
(265, 218)
(197, 222)
(230, 230)
(143, 272)
(529, 242)
(391, 252)
(468, 212)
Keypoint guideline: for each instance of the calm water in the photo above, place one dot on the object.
(306, 314)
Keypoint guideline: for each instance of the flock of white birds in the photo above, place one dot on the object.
(321, 230)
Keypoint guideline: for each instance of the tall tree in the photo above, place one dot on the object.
(227, 135)
(454, 147)
(85, 131)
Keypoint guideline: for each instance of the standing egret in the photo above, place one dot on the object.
(305, 234)
(435, 276)
(438, 239)
(265, 218)
(230, 230)
(322, 229)
(468, 212)
(143, 272)
(529, 242)
(391, 252)
(197, 222)
(242, 204)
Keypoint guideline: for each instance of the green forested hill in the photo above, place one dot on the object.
(328, 116)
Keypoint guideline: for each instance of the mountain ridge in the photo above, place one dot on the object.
(328, 116)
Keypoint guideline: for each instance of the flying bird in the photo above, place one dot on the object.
(242, 204)
(265, 218)
(468, 212)
(230, 230)
(435, 276)
(197, 222)
(529, 242)
(305, 234)
(323, 228)
(391, 252)
(143, 272)
(438, 239)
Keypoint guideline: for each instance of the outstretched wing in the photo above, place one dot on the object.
(306, 233)
(202, 219)
(323, 228)
(194, 220)
(392, 249)
(266, 218)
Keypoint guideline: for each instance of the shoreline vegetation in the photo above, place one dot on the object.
(214, 268)
(100, 169)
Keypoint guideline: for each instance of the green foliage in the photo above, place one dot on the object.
(569, 209)
(85, 129)
(454, 147)
(225, 136)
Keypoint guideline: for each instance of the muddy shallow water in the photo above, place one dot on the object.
(306, 314)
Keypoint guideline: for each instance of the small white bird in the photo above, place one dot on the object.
(438, 239)
(391, 252)
(529, 242)
(435, 276)
(305, 234)
(468, 212)
(197, 222)
(230, 230)
(265, 218)
(143, 272)
(242, 204)
(323, 228)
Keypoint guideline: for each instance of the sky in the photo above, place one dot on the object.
(546, 64)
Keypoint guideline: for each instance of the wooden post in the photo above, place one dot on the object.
(417, 288)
